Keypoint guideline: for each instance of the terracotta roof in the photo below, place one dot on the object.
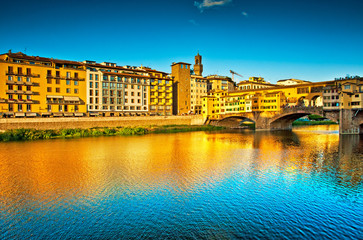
(125, 74)
(180, 63)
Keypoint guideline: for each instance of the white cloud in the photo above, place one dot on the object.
(245, 14)
(192, 21)
(210, 3)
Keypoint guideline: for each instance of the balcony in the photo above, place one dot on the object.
(74, 78)
(14, 73)
(32, 75)
(30, 93)
(30, 101)
(14, 92)
(31, 84)
(8, 82)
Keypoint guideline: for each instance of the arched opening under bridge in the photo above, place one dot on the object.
(236, 122)
(285, 121)
(316, 101)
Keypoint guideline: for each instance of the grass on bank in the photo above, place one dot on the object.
(32, 134)
(307, 123)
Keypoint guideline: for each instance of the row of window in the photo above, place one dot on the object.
(330, 97)
(19, 79)
(114, 93)
(57, 81)
(58, 90)
(19, 97)
(106, 100)
(118, 107)
(28, 107)
(50, 108)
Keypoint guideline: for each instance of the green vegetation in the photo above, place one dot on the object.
(315, 117)
(306, 123)
(313, 120)
(32, 134)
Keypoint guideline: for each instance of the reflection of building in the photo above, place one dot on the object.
(36, 85)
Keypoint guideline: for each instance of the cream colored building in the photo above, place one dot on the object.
(198, 89)
(254, 83)
(291, 81)
(115, 91)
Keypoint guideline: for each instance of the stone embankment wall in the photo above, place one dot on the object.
(91, 122)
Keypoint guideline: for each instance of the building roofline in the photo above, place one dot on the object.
(175, 63)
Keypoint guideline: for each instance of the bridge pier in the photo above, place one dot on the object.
(351, 121)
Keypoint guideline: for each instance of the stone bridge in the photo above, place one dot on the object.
(350, 121)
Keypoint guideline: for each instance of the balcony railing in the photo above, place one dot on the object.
(31, 84)
(14, 73)
(32, 75)
(11, 82)
(14, 91)
(65, 102)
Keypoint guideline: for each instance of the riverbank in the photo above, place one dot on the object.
(97, 122)
(34, 134)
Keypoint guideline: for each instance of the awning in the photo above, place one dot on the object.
(31, 114)
(68, 114)
(58, 114)
(78, 114)
(54, 96)
(46, 114)
(19, 114)
(73, 99)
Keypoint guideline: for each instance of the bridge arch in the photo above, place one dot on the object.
(233, 121)
(285, 120)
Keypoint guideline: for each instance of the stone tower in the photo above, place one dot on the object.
(198, 66)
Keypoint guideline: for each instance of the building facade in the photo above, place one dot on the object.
(181, 89)
(33, 86)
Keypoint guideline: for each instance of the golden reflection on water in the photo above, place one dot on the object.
(70, 169)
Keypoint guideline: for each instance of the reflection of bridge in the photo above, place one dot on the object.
(350, 121)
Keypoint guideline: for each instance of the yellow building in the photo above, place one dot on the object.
(218, 104)
(32, 86)
(161, 93)
(291, 81)
(220, 83)
(351, 93)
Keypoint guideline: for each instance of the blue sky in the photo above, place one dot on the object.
(305, 39)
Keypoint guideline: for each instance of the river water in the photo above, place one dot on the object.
(304, 184)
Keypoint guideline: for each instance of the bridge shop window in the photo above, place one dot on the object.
(302, 90)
